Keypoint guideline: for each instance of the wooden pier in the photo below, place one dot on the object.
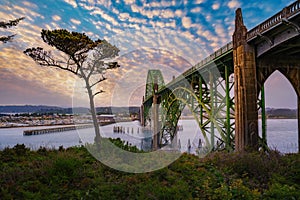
(55, 130)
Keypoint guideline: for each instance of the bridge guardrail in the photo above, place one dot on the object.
(206, 60)
(285, 13)
(211, 57)
(219, 52)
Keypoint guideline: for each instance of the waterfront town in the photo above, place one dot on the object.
(19, 120)
(8, 120)
(22, 120)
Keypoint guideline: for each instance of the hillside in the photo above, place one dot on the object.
(281, 113)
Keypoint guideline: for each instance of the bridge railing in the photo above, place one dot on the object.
(202, 63)
(208, 59)
(286, 13)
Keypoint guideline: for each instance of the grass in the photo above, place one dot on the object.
(74, 174)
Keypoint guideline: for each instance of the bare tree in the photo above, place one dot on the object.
(85, 58)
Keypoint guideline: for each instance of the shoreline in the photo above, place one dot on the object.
(63, 125)
(113, 122)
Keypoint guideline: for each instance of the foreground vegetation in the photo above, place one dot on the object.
(74, 174)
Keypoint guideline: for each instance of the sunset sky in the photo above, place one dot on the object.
(167, 35)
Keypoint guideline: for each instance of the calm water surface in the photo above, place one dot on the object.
(281, 135)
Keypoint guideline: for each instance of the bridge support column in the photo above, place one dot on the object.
(298, 124)
(263, 119)
(155, 116)
(155, 119)
(246, 116)
(142, 118)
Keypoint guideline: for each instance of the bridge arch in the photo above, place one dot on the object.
(290, 76)
(206, 93)
(281, 74)
(154, 77)
(207, 117)
(154, 82)
(176, 101)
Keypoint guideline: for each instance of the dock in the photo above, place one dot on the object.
(55, 130)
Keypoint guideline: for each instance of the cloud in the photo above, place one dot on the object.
(75, 21)
(136, 64)
(191, 29)
(216, 6)
(25, 74)
(179, 13)
(30, 15)
(233, 4)
(168, 13)
(196, 10)
(124, 16)
(147, 13)
(186, 22)
(102, 14)
(56, 18)
(71, 2)
(29, 4)
(199, 1)
(17, 91)
(129, 2)
(220, 31)
(135, 8)
(161, 4)
(96, 3)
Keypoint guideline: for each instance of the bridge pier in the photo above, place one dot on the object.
(155, 119)
(246, 115)
(298, 116)
(142, 117)
(155, 116)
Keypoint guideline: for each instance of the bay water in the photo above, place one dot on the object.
(281, 135)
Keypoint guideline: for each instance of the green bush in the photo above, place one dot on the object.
(73, 173)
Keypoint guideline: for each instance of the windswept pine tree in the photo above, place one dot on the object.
(6, 25)
(85, 58)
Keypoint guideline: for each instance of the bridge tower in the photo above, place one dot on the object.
(246, 115)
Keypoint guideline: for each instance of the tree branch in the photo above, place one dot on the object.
(45, 58)
(99, 92)
(99, 81)
(5, 39)
(91, 70)
(11, 23)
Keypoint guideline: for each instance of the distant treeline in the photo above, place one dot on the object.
(281, 113)
(41, 109)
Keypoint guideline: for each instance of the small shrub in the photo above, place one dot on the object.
(21, 149)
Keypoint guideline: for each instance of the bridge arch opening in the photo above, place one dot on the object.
(189, 133)
(281, 114)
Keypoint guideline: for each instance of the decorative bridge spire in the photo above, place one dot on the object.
(240, 32)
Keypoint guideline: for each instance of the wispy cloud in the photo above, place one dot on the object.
(186, 22)
(233, 4)
(72, 3)
(75, 21)
(56, 18)
(216, 6)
